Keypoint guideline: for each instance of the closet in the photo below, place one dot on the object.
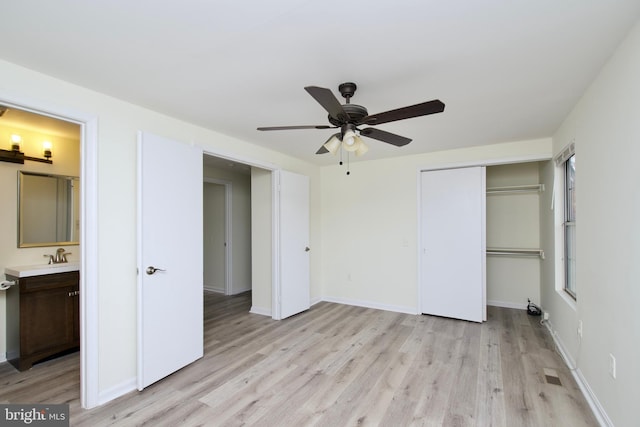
(480, 239)
(513, 234)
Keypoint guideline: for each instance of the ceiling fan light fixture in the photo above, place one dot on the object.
(362, 148)
(332, 145)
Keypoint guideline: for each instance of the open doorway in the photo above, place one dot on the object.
(47, 150)
(227, 226)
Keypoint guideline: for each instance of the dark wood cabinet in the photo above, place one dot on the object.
(42, 318)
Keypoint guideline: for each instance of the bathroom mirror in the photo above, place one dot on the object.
(48, 210)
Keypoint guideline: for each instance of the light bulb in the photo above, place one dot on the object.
(15, 142)
(46, 145)
(350, 141)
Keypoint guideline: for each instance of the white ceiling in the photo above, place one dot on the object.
(507, 70)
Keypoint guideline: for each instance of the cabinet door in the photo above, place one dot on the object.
(49, 316)
(47, 320)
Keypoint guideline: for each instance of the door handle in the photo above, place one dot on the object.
(307, 249)
(151, 269)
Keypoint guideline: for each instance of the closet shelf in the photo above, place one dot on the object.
(534, 188)
(516, 252)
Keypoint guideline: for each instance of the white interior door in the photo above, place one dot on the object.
(170, 312)
(294, 292)
(215, 238)
(453, 243)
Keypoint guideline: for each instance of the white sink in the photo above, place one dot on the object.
(42, 269)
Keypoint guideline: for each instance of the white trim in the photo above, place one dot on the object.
(487, 162)
(565, 153)
(585, 388)
(89, 330)
(372, 304)
(89, 268)
(215, 152)
(117, 391)
(228, 232)
(260, 310)
(211, 288)
(507, 304)
(139, 294)
(3, 357)
(275, 233)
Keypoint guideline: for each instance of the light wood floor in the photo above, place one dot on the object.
(337, 365)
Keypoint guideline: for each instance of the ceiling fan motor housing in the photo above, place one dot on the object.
(355, 112)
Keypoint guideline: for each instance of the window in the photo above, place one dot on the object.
(569, 226)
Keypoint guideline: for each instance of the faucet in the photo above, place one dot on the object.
(60, 257)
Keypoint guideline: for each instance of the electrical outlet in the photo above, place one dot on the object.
(612, 366)
(580, 328)
(546, 315)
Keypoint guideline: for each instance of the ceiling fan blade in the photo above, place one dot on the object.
(329, 102)
(429, 107)
(297, 127)
(323, 149)
(384, 136)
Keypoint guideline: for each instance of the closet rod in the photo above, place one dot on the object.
(536, 188)
(515, 252)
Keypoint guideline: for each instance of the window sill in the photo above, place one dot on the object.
(568, 299)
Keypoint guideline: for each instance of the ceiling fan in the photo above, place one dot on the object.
(349, 116)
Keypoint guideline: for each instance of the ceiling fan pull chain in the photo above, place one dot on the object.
(348, 172)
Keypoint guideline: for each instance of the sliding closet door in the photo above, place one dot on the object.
(453, 243)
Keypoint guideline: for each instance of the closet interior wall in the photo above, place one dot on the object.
(513, 222)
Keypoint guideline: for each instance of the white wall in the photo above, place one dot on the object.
(605, 127)
(513, 221)
(66, 161)
(118, 123)
(240, 225)
(370, 222)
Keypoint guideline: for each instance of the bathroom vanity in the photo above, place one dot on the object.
(42, 313)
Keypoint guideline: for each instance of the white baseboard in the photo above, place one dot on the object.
(260, 310)
(314, 301)
(370, 304)
(243, 289)
(587, 392)
(506, 304)
(3, 357)
(213, 289)
(117, 391)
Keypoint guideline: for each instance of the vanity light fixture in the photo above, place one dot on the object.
(16, 156)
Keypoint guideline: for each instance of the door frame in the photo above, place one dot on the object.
(275, 226)
(88, 299)
(228, 228)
